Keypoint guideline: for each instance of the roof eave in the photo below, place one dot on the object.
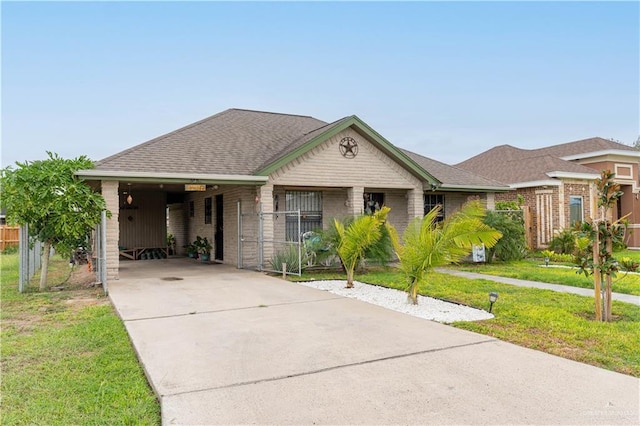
(334, 130)
(601, 153)
(572, 175)
(533, 183)
(160, 177)
(473, 188)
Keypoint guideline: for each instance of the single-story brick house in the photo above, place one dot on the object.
(557, 182)
(231, 177)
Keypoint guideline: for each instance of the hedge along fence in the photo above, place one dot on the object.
(9, 236)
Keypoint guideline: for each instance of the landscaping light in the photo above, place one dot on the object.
(546, 261)
(493, 296)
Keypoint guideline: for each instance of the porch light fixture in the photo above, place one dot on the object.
(493, 296)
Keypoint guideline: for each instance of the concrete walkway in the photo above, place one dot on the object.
(225, 346)
(627, 298)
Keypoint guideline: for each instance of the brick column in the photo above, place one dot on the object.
(415, 204)
(265, 193)
(356, 202)
(110, 195)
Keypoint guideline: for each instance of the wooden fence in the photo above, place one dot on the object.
(9, 236)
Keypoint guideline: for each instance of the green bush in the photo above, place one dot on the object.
(563, 242)
(10, 250)
(512, 245)
(289, 255)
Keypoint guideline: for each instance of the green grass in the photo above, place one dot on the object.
(534, 270)
(66, 357)
(557, 323)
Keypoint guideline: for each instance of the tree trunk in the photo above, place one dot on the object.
(597, 276)
(413, 293)
(46, 252)
(607, 288)
(350, 277)
(607, 299)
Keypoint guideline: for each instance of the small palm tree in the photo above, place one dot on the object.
(356, 237)
(428, 244)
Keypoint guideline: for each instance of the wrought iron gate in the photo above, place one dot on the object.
(263, 254)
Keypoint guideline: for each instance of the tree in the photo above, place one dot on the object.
(59, 208)
(354, 239)
(428, 244)
(600, 236)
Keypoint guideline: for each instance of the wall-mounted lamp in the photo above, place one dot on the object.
(215, 187)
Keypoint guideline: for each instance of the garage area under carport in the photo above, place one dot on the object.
(146, 207)
(240, 347)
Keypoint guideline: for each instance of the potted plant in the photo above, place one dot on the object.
(204, 248)
(171, 244)
(192, 250)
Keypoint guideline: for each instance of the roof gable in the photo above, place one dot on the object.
(313, 139)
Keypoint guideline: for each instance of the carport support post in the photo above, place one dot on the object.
(266, 202)
(415, 203)
(356, 200)
(112, 252)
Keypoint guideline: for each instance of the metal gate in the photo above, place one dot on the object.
(30, 258)
(267, 254)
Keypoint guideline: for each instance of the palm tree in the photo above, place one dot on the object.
(428, 244)
(356, 237)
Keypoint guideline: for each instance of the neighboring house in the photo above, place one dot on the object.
(231, 178)
(557, 182)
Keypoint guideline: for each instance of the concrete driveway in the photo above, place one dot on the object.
(225, 346)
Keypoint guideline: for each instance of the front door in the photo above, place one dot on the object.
(218, 237)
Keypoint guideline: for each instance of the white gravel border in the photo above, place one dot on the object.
(427, 307)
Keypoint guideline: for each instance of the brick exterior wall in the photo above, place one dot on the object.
(177, 226)
(559, 208)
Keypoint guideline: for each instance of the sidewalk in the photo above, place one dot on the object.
(627, 298)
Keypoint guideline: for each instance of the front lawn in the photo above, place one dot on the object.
(558, 323)
(535, 270)
(66, 356)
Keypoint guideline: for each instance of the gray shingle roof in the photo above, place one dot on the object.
(451, 175)
(509, 164)
(234, 141)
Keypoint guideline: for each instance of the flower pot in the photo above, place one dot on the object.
(205, 257)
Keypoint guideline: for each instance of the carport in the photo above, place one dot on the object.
(240, 347)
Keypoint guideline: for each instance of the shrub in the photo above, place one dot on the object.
(289, 255)
(10, 250)
(563, 242)
(512, 245)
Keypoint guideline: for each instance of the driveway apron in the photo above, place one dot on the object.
(227, 346)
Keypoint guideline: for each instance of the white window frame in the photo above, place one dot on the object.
(576, 197)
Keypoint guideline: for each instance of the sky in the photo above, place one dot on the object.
(447, 80)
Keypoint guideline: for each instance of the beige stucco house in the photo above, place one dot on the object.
(233, 177)
(557, 182)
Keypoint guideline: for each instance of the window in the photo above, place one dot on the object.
(192, 210)
(575, 209)
(207, 210)
(433, 200)
(310, 205)
(373, 201)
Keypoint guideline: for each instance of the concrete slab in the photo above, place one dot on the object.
(223, 346)
(170, 288)
(490, 383)
(196, 352)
